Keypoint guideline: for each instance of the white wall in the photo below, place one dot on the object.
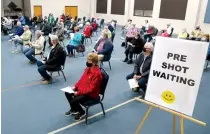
(204, 26)
(57, 7)
(190, 21)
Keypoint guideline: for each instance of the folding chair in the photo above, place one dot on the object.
(107, 60)
(77, 50)
(100, 98)
(60, 69)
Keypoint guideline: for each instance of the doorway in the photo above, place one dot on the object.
(71, 10)
(38, 11)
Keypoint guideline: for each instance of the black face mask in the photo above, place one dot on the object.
(89, 64)
(144, 49)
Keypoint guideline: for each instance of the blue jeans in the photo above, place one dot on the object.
(141, 82)
(70, 49)
(20, 42)
(42, 69)
(29, 52)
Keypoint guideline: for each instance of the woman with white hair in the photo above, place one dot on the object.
(87, 30)
(35, 47)
(142, 67)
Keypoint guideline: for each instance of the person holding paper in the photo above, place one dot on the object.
(86, 89)
(142, 67)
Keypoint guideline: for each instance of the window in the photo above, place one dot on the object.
(143, 8)
(118, 7)
(207, 16)
(173, 9)
(101, 6)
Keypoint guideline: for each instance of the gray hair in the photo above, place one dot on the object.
(149, 45)
(54, 37)
(39, 32)
(19, 23)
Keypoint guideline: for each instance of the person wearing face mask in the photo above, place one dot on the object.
(54, 62)
(183, 34)
(86, 89)
(142, 67)
(196, 34)
(136, 45)
(104, 48)
(132, 31)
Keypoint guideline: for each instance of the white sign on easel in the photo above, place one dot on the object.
(175, 73)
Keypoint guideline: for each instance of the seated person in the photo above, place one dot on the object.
(54, 61)
(183, 34)
(19, 31)
(46, 28)
(111, 27)
(75, 42)
(142, 67)
(205, 37)
(7, 25)
(196, 34)
(104, 48)
(148, 33)
(105, 31)
(145, 27)
(136, 45)
(23, 40)
(86, 89)
(72, 25)
(125, 28)
(94, 26)
(167, 32)
(59, 32)
(132, 31)
(35, 48)
(87, 30)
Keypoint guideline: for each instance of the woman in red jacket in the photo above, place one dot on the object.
(86, 89)
(87, 30)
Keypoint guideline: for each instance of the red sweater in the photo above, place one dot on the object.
(87, 31)
(89, 83)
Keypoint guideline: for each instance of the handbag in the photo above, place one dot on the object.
(80, 49)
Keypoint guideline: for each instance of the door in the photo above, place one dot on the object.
(71, 10)
(38, 10)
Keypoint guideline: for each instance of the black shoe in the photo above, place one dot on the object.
(70, 112)
(79, 116)
(130, 62)
(125, 60)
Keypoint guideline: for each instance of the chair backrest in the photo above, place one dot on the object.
(45, 42)
(102, 21)
(172, 30)
(63, 58)
(82, 39)
(104, 82)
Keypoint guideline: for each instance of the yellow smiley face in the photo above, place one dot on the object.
(168, 97)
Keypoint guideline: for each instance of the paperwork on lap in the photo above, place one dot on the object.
(68, 90)
(133, 83)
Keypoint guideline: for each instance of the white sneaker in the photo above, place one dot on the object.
(10, 40)
(122, 38)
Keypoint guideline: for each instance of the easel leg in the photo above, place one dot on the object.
(181, 125)
(174, 124)
(142, 122)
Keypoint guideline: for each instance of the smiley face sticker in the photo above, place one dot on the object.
(168, 97)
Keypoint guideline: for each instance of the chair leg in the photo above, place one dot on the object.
(102, 106)
(83, 54)
(110, 65)
(51, 74)
(63, 75)
(58, 73)
(86, 116)
(91, 40)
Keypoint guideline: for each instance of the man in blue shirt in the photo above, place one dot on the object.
(19, 31)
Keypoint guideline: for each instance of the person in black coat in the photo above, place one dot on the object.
(135, 46)
(54, 62)
(46, 28)
(142, 67)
